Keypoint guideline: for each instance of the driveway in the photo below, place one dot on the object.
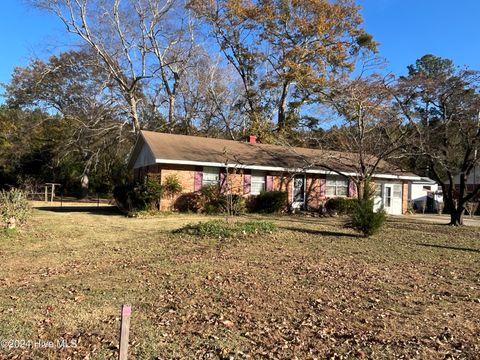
(442, 219)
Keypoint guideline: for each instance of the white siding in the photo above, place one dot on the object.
(389, 196)
(145, 158)
(418, 192)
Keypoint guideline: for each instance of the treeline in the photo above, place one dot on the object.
(219, 69)
(291, 72)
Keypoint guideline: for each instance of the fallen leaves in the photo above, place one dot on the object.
(293, 295)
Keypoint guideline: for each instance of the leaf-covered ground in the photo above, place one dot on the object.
(311, 290)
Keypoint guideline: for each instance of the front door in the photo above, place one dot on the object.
(388, 196)
(378, 199)
(298, 192)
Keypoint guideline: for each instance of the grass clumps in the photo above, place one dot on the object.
(224, 229)
(14, 208)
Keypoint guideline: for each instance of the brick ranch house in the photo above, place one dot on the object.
(254, 167)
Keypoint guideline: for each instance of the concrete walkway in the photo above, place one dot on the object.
(442, 219)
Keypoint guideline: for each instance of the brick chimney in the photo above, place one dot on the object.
(252, 139)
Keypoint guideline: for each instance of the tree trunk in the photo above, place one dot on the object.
(171, 112)
(132, 101)
(84, 184)
(458, 209)
(282, 106)
(456, 216)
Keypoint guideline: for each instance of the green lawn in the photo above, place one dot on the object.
(312, 290)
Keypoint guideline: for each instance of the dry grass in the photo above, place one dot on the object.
(312, 290)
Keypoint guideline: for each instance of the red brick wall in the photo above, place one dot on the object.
(314, 197)
(404, 197)
(283, 182)
(186, 176)
(235, 181)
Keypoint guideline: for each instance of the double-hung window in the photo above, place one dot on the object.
(211, 176)
(258, 182)
(337, 186)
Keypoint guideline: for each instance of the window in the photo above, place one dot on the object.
(397, 191)
(388, 196)
(210, 176)
(258, 182)
(337, 186)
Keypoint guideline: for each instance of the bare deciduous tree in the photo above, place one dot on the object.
(169, 30)
(368, 129)
(128, 38)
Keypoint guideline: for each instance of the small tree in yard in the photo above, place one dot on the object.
(14, 208)
(234, 204)
(364, 218)
(172, 187)
(472, 207)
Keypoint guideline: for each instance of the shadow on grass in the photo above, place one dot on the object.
(288, 218)
(321, 232)
(95, 210)
(448, 247)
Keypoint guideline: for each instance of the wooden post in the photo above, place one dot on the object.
(46, 193)
(53, 193)
(124, 331)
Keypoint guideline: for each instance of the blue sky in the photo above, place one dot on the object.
(25, 33)
(406, 29)
(409, 29)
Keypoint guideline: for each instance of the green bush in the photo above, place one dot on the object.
(341, 205)
(148, 193)
(138, 196)
(257, 227)
(122, 194)
(213, 201)
(235, 204)
(270, 202)
(14, 207)
(211, 209)
(188, 202)
(172, 185)
(223, 229)
(365, 220)
(212, 228)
